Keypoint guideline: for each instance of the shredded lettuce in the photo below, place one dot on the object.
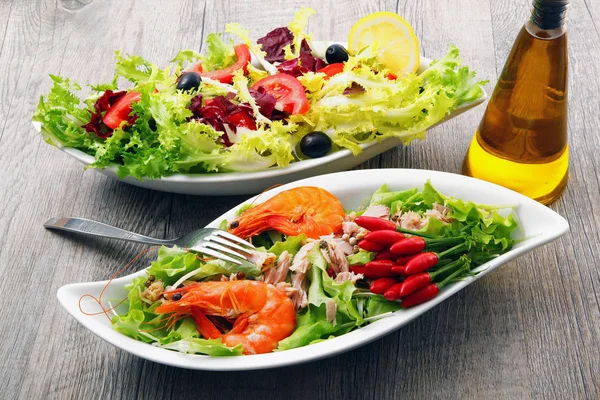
(298, 29)
(218, 55)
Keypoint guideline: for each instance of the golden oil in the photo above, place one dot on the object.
(521, 142)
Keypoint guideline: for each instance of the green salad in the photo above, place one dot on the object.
(396, 251)
(249, 105)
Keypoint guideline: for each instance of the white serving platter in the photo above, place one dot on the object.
(539, 225)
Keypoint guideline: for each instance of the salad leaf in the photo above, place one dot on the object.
(301, 65)
(211, 347)
(297, 28)
(387, 198)
(255, 74)
(310, 326)
(61, 116)
(361, 258)
(291, 244)
(259, 149)
(218, 55)
(265, 101)
(377, 305)
(173, 263)
(138, 70)
(274, 42)
(240, 83)
(186, 329)
(316, 292)
(130, 324)
(184, 56)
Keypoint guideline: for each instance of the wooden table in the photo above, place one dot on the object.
(530, 330)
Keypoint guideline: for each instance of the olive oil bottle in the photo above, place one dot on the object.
(521, 142)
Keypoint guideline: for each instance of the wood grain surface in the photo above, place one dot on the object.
(530, 330)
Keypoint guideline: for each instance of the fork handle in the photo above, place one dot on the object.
(94, 228)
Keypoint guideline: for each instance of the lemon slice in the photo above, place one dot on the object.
(394, 37)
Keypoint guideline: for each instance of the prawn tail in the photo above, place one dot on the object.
(207, 329)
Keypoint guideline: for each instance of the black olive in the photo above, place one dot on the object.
(188, 81)
(234, 224)
(315, 144)
(176, 297)
(336, 53)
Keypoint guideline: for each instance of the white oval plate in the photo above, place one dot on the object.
(232, 183)
(539, 225)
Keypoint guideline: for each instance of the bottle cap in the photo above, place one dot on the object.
(549, 14)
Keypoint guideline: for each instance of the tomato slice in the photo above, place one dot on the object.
(288, 91)
(332, 69)
(242, 119)
(225, 75)
(120, 111)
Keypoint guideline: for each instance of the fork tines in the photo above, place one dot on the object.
(223, 245)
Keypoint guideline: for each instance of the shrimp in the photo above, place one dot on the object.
(263, 314)
(306, 209)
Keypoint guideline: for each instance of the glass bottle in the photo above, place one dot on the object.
(521, 142)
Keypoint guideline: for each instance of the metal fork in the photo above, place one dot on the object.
(208, 241)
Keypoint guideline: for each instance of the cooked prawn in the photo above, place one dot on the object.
(306, 209)
(263, 314)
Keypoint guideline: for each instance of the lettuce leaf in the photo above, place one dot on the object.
(211, 347)
(291, 244)
(377, 305)
(61, 116)
(298, 29)
(173, 263)
(361, 258)
(218, 54)
(385, 197)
